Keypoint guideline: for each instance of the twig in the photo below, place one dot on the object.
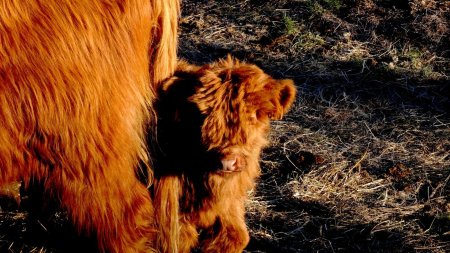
(358, 163)
(441, 186)
(370, 131)
(42, 225)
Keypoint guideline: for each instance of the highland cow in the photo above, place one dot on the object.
(213, 122)
(75, 101)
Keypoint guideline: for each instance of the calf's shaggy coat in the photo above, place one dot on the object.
(213, 123)
(74, 102)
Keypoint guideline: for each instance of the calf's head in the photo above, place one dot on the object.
(215, 118)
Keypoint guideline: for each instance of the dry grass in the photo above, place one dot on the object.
(362, 162)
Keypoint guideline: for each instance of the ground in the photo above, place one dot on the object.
(362, 161)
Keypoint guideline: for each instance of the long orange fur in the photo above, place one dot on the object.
(213, 122)
(76, 94)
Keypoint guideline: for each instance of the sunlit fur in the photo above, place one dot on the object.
(76, 93)
(206, 115)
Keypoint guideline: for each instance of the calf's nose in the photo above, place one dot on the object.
(230, 164)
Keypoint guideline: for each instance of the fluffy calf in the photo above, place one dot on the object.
(74, 103)
(213, 123)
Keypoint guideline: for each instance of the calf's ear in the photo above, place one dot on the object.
(285, 93)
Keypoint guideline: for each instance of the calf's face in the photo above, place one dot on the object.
(216, 118)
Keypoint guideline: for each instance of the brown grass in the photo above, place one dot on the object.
(362, 162)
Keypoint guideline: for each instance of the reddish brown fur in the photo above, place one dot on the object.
(219, 112)
(75, 100)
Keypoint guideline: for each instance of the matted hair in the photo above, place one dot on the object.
(77, 81)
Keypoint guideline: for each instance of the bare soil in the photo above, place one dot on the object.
(362, 161)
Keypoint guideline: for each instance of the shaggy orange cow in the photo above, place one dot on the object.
(74, 102)
(213, 122)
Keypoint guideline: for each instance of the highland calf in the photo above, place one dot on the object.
(74, 105)
(213, 122)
